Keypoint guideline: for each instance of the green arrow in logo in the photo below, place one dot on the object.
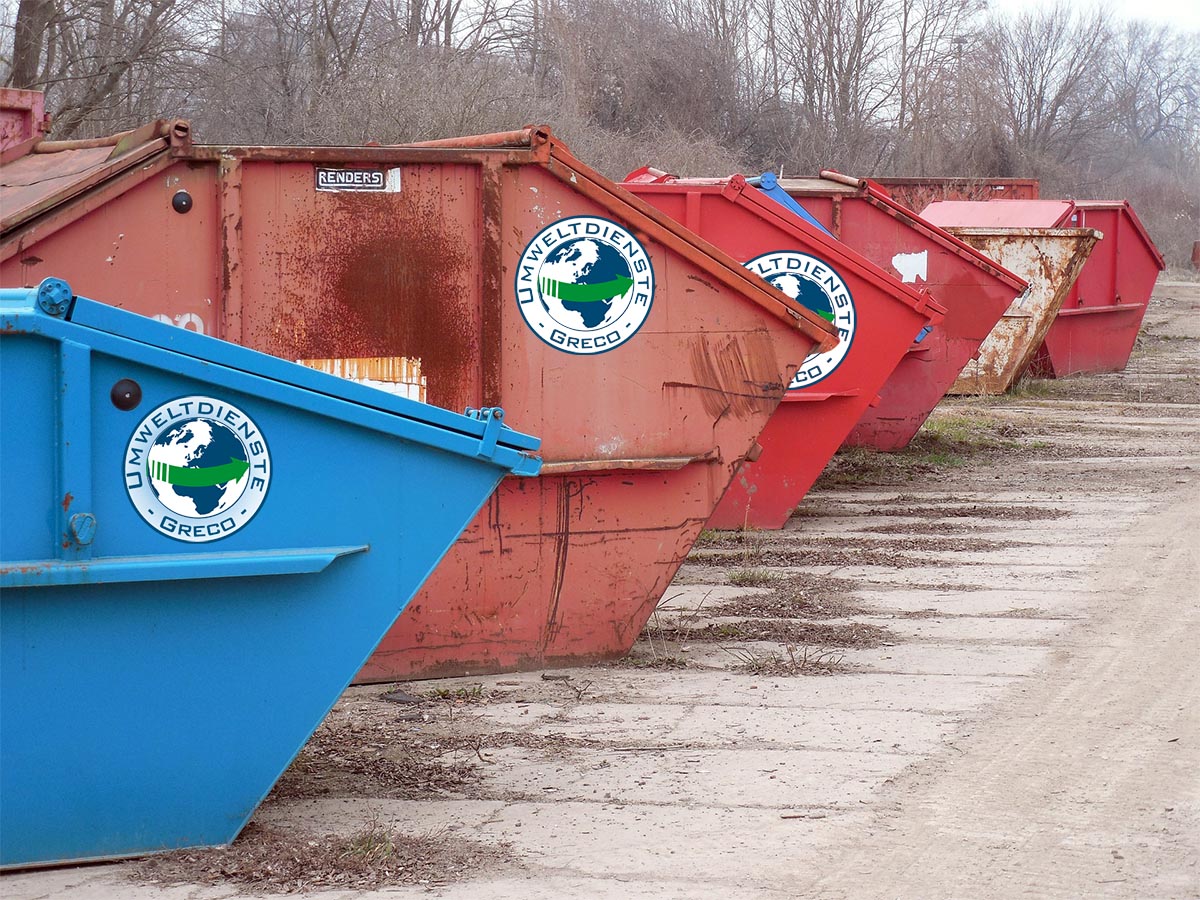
(209, 477)
(586, 293)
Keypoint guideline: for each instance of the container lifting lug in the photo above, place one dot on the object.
(54, 297)
(491, 416)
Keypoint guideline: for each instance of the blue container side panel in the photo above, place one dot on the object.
(28, 522)
(176, 706)
(138, 716)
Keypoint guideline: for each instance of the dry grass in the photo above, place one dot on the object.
(791, 662)
(987, 511)
(794, 599)
(375, 750)
(947, 440)
(267, 860)
(782, 631)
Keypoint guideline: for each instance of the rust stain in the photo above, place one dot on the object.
(738, 376)
(569, 491)
(66, 500)
(383, 279)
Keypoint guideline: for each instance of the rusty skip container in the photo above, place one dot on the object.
(974, 290)
(1049, 258)
(479, 272)
(1098, 322)
(877, 318)
(918, 192)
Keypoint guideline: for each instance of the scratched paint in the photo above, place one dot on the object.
(1050, 259)
(640, 443)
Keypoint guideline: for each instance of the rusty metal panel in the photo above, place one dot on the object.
(397, 375)
(22, 117)
(431, 267)
(1050, 259)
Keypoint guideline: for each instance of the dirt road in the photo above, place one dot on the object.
(968, 670)
(1085, 781)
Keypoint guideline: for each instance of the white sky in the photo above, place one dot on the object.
(1182, 14)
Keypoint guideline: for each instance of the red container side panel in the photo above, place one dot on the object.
(429, 285)
(1098, 323)
(877, 326)
(974, 290)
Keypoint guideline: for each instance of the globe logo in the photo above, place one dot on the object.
(584, 285)
(582, 282)
(197, 469)
(814, 284)
(806, 293)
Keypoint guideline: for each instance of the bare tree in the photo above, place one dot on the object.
(1044, 71)
(97, 59)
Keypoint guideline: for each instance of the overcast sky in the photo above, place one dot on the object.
(1182, 14)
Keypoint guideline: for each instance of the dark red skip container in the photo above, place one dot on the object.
(974, 291)
(452, 272)
(877, 317)
(917, 193)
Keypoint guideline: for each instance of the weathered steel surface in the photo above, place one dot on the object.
(815, 418)
(1050, 259)
(22, 117)
(917, 193)
(973, 288)
(563, 569)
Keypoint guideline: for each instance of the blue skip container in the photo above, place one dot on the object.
(199, 547)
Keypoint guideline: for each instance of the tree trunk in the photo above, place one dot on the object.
(33, 22)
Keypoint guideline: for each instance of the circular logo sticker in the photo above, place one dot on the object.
(197, 469)
(585, 285)
(816, 285)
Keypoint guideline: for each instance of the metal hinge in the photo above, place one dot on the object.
(491, 417)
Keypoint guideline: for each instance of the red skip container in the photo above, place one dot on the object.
(488, 271)
(877, 318)
(1097, 324)
(974, 290)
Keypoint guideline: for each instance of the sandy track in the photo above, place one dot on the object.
(1086, 781)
